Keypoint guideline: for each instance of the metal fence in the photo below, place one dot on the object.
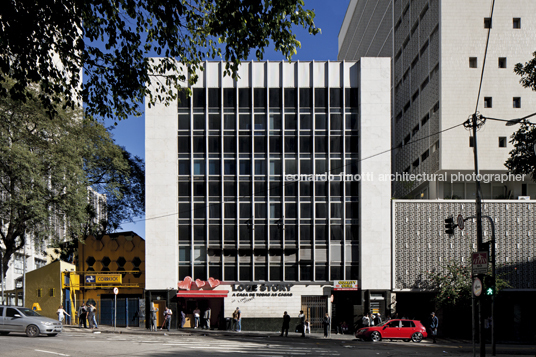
(128, 312)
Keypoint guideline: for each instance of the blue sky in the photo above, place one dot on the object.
(130, 133)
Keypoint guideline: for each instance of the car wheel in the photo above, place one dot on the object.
(51, 334)
(416, 337)
(406, 340)
(4, 333)
(375, 336)
(32, 331)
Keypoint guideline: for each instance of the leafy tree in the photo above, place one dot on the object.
(454, 285)
(185, 32)
(46, 165)
(522, 158)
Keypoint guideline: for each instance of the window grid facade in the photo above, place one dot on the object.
(238, 217)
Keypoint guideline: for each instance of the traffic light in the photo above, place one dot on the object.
(489, 291)
(449, 225)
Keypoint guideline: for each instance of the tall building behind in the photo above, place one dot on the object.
(438, 51)
(256, 181)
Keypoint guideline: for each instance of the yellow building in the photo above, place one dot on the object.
(47, 289)
(113, 261)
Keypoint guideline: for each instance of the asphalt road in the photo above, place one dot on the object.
(198, 345)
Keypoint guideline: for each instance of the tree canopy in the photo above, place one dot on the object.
(112, 41)
(522, 158)
(46, 167)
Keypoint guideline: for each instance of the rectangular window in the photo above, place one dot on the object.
(416, 163)
(306, 98)
(425, 155)
(52, 292)
(488, 102)
(214, 98)
(502, 62)
(39, 292)
(517, 22)
(502, 141)
(487, 22)
(321, 97)
(473, 62)
(229, 97)
(516, 102)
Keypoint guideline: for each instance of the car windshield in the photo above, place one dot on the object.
(28, 312)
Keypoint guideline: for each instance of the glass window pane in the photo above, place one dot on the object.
(260, 211)
(229, 189)
(306, 96)
(291, 122)
(229, 97)
(275, 121)
(336, 121)
(199, 121)
(306, 121)
(321, 144)
(244, 144)
(244, 97)
(291, 166)
(214, 121)
(245, 121)
(260, 121)
(275, 167)
(260, 167)
(184, 167)
(245, 167)
(229, 144)
(290, 98)
(214, 167)
(214, 144)
(199, 97)
(321, 122)
(199, 167)
(306, 210)
(184, 121)
(214, 97)
(275, 97)
(335, 97)
(260, 144)
(275, 144)
(291, 144)
(336, 144)
(321, 97)
(259, 95)
(229, 121)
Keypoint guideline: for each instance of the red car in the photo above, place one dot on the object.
(394, 329)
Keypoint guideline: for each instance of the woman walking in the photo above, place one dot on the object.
(61, 313)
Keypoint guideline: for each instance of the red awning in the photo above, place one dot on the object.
(203, 293)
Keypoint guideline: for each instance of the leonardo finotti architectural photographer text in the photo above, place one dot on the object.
(443, 177)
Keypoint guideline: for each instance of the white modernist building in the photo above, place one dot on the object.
(261, 193)
(438, 51)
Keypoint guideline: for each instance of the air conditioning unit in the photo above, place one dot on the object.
(523, 198)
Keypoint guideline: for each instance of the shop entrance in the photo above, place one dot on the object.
(314, 308)
(188, 305)
(346, 308)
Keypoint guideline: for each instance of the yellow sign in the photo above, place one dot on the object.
(104, 278)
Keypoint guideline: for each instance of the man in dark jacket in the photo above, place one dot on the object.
(434, 323)
(286, 324)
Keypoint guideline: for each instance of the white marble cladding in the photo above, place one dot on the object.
(375, 194)
(161, 192)
(305, 74)
(273, 306)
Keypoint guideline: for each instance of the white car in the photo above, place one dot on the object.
(24, 320)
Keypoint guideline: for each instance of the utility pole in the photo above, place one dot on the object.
(475, 123)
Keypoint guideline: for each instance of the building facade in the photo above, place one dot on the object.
(257, 191)
(438, 51)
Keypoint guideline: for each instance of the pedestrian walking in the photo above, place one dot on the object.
(237, 320)
(326, 323)
(82, 315)
(286, 324)
(197, 315)
(154, 311)
(183, 317)
(167, 319)
(301, 316)
(206, 317)
(434, 324)
(365, 321)
(61, 313)
(91, 311)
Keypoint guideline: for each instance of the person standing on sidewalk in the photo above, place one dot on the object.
(326, 323)
(434, 324)
(167, 318)
(286, 324)
(91, 316)
(82, 315)
(154, 311)
(301, 316)
(206, 317)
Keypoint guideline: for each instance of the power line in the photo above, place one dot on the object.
(292, 182)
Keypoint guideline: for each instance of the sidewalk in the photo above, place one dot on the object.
(193, 332)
